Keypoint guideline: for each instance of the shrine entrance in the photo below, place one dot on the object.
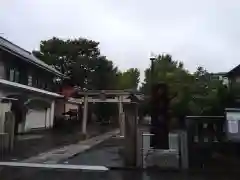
(120, 97)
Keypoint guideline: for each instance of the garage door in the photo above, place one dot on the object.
(35, 119)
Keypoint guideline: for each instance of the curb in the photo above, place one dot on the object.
(138, 169)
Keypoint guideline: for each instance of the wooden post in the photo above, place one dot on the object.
(85, 115)
(130, 135)
(9, 128)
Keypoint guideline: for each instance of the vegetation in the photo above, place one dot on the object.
(195, 93)
(81, 60)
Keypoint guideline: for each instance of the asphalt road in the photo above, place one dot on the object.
(107, 153)
(14, 173)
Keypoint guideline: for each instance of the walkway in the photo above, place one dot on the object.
(30, 145)
(58, 154)
(107, 153)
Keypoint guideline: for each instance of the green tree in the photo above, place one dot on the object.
(197, 94)
(208, 93)
(129, 79)
(79, 59)
(178, 79)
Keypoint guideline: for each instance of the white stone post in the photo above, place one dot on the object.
(184, 150)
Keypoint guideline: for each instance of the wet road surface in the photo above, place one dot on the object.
(13, 173)
(107, 154)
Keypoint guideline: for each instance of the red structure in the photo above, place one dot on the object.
(68, 91)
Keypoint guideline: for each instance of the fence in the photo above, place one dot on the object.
(205, 135)
(194, 144)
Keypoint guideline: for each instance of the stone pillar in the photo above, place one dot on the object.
(85, 115)
(130, 138)
(139, 147)
(184, 149)
(159, 116)
(121, 117)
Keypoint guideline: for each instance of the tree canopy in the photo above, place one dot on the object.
(129, 79)
(80, 59)
(196, 93)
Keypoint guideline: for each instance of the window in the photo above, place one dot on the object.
(237, 79)
(14, 75)
(30, 80)
(11, 75)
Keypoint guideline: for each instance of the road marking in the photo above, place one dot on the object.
(54, 166)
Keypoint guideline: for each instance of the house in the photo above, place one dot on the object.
(30, 83)
(234, 75)
(220, 76)
(234, 85)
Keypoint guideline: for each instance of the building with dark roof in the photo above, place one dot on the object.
(30, 82)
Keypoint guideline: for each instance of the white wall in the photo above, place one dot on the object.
(69, 106)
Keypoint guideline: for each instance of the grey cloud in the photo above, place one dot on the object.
(203, 32)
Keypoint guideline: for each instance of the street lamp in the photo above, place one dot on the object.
(152, 59)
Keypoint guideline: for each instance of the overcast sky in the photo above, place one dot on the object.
(197, 32)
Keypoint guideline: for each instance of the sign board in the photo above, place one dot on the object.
(233, 124)
(233, 118)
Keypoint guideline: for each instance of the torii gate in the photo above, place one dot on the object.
(98, 96)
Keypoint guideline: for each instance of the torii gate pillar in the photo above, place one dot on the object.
(121, 116)
(85, 115)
